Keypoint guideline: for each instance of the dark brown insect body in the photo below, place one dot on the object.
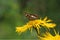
(31, 16)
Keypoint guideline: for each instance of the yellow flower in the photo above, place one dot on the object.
(36, 24)
(48, 36)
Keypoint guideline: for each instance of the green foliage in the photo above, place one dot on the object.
(12, 15)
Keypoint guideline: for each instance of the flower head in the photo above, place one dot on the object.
(36, 24)
(49, 36)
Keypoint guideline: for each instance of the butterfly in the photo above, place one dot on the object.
(31, 16)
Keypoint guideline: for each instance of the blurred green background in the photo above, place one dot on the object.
(12, 15)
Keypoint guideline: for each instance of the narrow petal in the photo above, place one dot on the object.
(45, 19)
(49, 21)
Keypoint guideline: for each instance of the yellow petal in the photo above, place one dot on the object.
(45, 18)
(49, 21)
(50, 25)
(20, 29)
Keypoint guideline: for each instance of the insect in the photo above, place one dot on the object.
(31, 16)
